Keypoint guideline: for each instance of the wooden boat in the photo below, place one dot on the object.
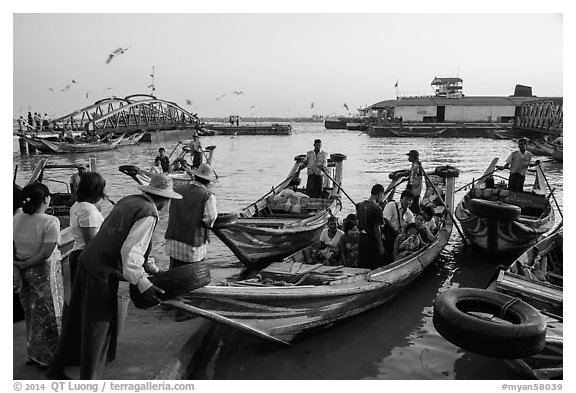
(499, 220)
(519, 317)
(82, 147)
(297, 296)
(274, 227)
(416, 133)
(142, 176)
(131, 139)
(248, 129)
(36, 143)
(353, 126)
(335, 124)
(539, 148)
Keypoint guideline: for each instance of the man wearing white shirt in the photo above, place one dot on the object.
(316, 162)
(518, 162)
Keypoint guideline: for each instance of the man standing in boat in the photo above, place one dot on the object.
(164, 161)
(415, 180)
(369, 213)
(196, 147)
(190, 218)
(518, 162)
(316, 162)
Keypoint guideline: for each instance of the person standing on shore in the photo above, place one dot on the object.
(518, 161)
(117, 252)
(316, 162)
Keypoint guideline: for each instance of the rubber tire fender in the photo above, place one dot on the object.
(399, 173)
(524, 336)
(493, 209)
(447, 171)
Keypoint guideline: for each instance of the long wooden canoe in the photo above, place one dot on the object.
(66, 148)
(498, 220)
(297, 296)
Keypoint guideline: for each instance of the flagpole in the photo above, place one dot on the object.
(396, 89)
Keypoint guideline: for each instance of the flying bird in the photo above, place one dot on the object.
(87, 93)
(311, 105)
(66, 88)
(73, 81)
(51, 89)
(346, 106)
(188, 102)
(109, 88)
(117, 52)
(238, 92)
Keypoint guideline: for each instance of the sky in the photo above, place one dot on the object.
(285, 64)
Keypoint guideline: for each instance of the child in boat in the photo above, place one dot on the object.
(348, 244)
(408, 242)
(329, 239)
(423, 231)
(431, 219)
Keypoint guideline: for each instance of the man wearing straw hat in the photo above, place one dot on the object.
(117, 252)
(190, 217)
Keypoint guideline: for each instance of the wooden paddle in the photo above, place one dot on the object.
(551, 190)
(339, 186)
(226, 321)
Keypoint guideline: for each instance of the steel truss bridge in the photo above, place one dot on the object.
(133, 113)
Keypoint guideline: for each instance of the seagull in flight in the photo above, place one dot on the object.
(87, 93)
(238, 92)
(117, 52)
(73, 81)
(188, 102)
(51, 89)
(66, 88)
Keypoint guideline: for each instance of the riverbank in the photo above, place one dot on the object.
(152, 345)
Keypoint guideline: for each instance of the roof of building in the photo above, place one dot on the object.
(465, 101)
(441, 81)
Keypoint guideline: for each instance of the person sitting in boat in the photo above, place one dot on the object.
(348, 244)
(350, 218)
(432, 221)
(329, 239)
(68, 135)
(75, 179)
(408, 242)
(424, 232)
(396, 217)
(430, 196)
(291, 191)
(157, 168)
(178, 166)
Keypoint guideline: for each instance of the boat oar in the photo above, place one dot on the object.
(222, 319)
(339, 186)
(15, 172)
(551, 191)
(175, 147)
(474, 181)
(109, 200)
(443, 203)
(206, 157)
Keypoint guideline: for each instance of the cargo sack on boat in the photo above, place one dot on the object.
(174, 282)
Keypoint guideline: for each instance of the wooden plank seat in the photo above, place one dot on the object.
(310, 274)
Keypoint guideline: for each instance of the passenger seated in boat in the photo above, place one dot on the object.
(431, 220)
(348, 244)
(157, 168)
(423, 231)
(177, 166)
(290, 191)
(329, 238)
(408, 242)
(350, 218)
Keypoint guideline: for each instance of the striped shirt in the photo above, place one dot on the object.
(185, 252)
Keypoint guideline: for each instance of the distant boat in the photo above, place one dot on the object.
(250, 129)
(47, 146)
(131, 139)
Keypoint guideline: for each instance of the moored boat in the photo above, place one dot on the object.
(519, 317)
(297, 295)
(78, 147)
(276, 226)
(335, 124)
(499, 220)
(132, 139)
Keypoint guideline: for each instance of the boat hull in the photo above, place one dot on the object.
(274, 129)
(67, 148)
(496, 235)
(333, 124)
(259, 241)
(428, 130)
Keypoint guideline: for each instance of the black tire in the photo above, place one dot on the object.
(492, 209)
(224, 220)
(524, 335)
(447, 171)
(398, 174)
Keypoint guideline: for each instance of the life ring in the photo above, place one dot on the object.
(398, 174)
(494, 209)
(224, 220)
(447, 171)
(524, 335)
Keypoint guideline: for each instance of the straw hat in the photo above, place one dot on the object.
(205, 171)
(161, 185)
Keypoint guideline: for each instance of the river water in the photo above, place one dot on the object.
(396, 341)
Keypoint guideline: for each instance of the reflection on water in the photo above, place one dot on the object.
(394, 341)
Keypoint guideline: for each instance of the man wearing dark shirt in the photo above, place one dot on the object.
(370, 249)
(164, 161)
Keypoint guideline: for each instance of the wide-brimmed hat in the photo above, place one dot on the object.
(161, 185)
(413, 153)
(205, 171)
